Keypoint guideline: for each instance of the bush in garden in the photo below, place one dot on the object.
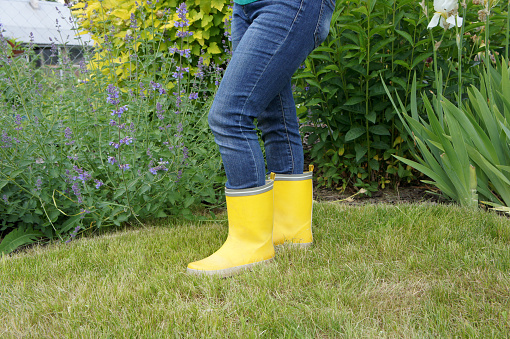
(464, 145)
(79, 151)
(354, 131)
(137, 29)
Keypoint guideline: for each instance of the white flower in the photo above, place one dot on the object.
(445, 14)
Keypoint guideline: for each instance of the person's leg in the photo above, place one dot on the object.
(280, 35)
(280, 133)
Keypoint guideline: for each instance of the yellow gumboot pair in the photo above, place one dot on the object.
(260, 218)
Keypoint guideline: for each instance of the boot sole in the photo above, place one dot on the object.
(227, 272)
(294, 245)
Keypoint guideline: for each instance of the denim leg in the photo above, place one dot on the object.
(278, 35)
(280, 133)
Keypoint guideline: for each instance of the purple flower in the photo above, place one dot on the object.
(157, 87)
(126, 140)
(181, 13)
(17, 121)
(68, 134)
(183, 34)
(113, 95)
(115, 145)
(124, 167)
(161, 167)
(112, 160)
(119, 111)
(53, 49)
(77, 228)
(179, 74)
(183, 52)
(83, 67)
(99, 183)
(77, 169)
(77, 191)
(38, 184)
(193, 96)
(5, 199)
(83, 212)
(178, 101)
(132, 19)
(83, 177)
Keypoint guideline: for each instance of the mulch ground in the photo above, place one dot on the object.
(410, 194)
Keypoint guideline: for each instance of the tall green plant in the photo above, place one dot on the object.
(470, 152)
(463, 147)
(353, 128)
(443, 154)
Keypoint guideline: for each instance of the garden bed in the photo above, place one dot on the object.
(398, 195)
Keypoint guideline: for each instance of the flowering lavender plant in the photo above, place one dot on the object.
(87, 149)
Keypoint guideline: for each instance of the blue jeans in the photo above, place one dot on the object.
(270, 39)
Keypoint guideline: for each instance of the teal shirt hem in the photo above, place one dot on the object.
(244, 2)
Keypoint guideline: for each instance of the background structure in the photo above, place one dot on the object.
(43, 24)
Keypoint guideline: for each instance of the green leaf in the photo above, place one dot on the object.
(402, 63)
(360, 151)
(379, 130)
(16, 173)
(354, 100)
(374, 164)
(17, 238)
(420, 58)
(314, 102)
(354, 133)
(313, 83)
(362, 10)
(189, 201)
(69, 223)
(374, 49)
(161, 214)
(407, 36)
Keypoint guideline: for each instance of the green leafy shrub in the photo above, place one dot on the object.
(354, 131)
(137, 29)
(79, 152)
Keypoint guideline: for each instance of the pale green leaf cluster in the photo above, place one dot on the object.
(464, 149)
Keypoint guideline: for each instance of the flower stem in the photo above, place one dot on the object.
(459, 48)
(507, 29)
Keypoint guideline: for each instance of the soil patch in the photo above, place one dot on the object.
(399, 195)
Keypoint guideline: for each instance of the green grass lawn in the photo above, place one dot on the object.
(374, 271)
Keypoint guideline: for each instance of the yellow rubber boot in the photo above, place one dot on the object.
(293, 194)
(250, 227)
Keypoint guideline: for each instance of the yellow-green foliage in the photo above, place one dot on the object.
(155, 32)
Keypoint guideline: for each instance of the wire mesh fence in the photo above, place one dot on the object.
(46, 27)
